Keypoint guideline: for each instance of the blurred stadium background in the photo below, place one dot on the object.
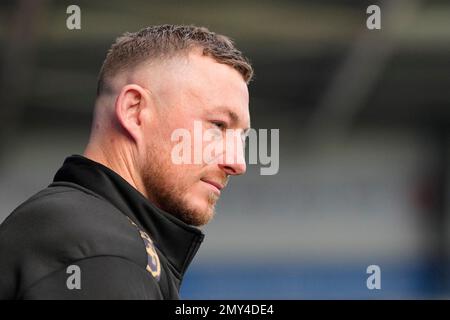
(364, 124)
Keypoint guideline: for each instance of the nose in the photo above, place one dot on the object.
(233, 169)
(233, 163)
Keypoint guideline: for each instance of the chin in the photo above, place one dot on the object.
(200, 212)
(195, 208)
(203, 214)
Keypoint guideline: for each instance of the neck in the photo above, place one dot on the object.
(117, 159)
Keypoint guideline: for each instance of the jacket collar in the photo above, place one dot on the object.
(178, 241)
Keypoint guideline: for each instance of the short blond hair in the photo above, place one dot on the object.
(166, 41)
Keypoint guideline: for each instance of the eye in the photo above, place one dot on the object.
(219, 124)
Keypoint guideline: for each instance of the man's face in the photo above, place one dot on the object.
(203, 94)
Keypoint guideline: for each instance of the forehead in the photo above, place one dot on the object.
(215, 87)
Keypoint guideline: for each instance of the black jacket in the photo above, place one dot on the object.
(90, 217)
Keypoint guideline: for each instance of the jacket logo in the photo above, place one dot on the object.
(153, 264)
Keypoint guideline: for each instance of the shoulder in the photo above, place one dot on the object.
(61, 216)
(62, 224)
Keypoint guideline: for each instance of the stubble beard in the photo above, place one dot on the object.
(171, 197)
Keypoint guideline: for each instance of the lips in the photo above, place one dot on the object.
(216, 185)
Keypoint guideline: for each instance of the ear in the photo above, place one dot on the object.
(130, 108)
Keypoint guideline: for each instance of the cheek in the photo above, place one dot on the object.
(214, 152)
(184, 176)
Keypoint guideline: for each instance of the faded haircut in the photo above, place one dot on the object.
(165, 42)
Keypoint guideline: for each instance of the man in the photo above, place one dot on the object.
(120, 221)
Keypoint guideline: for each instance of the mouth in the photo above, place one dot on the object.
(214, 185)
